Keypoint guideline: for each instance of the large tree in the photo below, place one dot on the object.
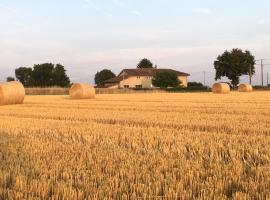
(60, 77)
(165, 80)
(234, 64)
(24, 75)
(103, 75)
(42, 75)
(145, 63)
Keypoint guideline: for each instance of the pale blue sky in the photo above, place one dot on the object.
(88, 35)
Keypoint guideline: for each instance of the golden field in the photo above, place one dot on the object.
(137, 146)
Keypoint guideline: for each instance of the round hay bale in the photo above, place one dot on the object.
(245, 88)
(11, 93)
(221, 88)
(82, 91)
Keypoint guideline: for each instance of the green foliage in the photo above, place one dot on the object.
(103, 75)
(234, 64)
(166, 79)
(23, 74)
(145, 63)
(60, 77)
(43, 75)
(9, 79)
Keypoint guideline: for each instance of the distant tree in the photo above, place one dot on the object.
(59, 76)
(9, 79)
(234, 64)
(42, 75)
(103, 75)
(145, 63)
(23, 74)
(166, 79)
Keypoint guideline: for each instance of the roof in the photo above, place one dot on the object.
(116, 79)
(141, 72)
(150, 72)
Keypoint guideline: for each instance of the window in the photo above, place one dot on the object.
(126, 86)
(138, 86)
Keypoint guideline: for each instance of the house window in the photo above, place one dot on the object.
(126, 86)
(138, 86)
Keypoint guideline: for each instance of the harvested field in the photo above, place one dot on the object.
(137, 146)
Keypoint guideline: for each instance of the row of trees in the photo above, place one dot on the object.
(231, 64)
(42, 75)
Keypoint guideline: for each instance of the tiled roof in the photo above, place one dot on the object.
(116, 79)
(150, 72)
(141, 72)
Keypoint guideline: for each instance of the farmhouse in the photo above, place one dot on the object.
(140, 78)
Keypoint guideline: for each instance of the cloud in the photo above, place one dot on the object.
(118, 3)
(137, 13)
(203, 11)
(8, 9)
(96, 7)
(262, 21)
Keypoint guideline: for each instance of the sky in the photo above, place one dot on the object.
(87, 36)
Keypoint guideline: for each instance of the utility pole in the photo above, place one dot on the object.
(123, 78)
(204, 78)
(262, 66)
(262, 70)
(250, 74)
(267, 79)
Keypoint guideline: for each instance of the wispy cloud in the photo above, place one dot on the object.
(118, 3)
(203, 11)
(9, 9)
(262, 21)
(137, 13)
(96, 7)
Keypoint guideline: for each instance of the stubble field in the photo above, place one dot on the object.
(137, 146)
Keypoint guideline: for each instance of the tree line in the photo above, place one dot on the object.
(42, 75)
(231, 64)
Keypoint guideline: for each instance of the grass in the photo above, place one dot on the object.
(137, 146)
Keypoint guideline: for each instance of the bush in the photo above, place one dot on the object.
(166, 79)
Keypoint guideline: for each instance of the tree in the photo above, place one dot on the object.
(234, 64)
(9, 79)
(145, 63)
(165, 80)
(42, 75)
(60, 77)
(23, 74)
(103, 75)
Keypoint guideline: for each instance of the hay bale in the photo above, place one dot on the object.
(245, 88)
(82, 91)
(11, 93)
(221, 88)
